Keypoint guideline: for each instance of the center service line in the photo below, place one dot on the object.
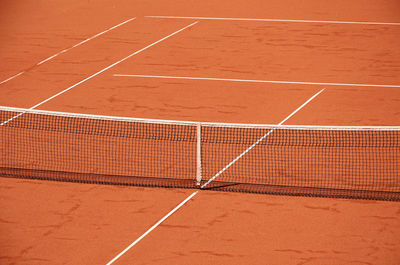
(194, 193)
(261, 139)
(152, 228)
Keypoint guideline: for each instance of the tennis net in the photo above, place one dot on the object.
(348, 162)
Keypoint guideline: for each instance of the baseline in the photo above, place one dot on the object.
(282, 20)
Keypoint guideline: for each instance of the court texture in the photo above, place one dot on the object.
(200, 132)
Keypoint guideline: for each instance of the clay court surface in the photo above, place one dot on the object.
(191, 61)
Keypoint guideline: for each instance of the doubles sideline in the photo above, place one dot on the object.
(101, 71)
(68, 49)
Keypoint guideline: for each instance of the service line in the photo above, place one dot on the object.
(257, 81)
(282, 20)
(68, 49)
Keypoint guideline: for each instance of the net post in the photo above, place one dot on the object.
(198, 155)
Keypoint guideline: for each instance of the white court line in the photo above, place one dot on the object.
(12, 77)
(259, 140)
(283, 20)
(76, 45)
(152, 228)
(84, 41)
(114, 64)
(194, 193)
(256, 81)
(101, 71)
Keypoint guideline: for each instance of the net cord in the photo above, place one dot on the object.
(22, 111)
(198, 156)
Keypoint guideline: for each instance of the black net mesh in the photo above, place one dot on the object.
(97, 151)
(322, 162)
(333, 162)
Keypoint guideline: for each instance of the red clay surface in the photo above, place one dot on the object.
(45, 222)
(236, 228)
(64, 223)
(61, 223)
